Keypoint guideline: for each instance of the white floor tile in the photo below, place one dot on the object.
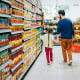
(56, 71)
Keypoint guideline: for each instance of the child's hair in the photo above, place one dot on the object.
(50, 30)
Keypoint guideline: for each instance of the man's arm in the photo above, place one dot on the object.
(56, 41)
(58, 30)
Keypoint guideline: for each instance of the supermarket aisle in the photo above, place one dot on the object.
(56, 71)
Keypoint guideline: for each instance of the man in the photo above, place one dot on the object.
(65, 29)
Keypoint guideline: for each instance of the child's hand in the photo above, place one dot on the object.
(57, 41)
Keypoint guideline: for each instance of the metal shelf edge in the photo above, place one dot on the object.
(6, 1)
(17, 65)
(16, 8)
(17, 32)
(20, 1)
(5, 15)
(13, 15)
(5, 30)
(9, 77)
(17, 48)
(5, 47)
(5, 64)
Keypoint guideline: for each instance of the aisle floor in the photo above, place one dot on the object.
(56, 71)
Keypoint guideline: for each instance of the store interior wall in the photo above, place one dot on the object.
(49, 8)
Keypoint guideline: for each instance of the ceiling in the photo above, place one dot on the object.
(50, 7)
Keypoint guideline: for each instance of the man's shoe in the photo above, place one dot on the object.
(48, 63)
(70, 63)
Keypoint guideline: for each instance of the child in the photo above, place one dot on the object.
(48, 44)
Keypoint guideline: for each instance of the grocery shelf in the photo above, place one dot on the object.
(6, 1)
(31, 54)
(5, 47)
(26, 49)
(21, 76)
(17, 66)
(5, 64)
(16, 8)
(9, 77)
(5, 30)
(13, 15)
(20, 1)
(30, 46)
(5, 15)
(17, 32)
(17, 24)
(27, 9)
(31, 27)
(32, 36)
(13, 50)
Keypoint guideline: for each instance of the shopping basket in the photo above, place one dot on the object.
(75, 47)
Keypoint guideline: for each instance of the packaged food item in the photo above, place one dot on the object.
(4, 8)
(4, 23)
(4, 73)
(4, 56)
(16, 57)
(4, 39)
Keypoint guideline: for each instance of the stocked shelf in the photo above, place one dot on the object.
(6, 1)
(16, 66)
(13, 50)
(5, 30)
(9, 77)
(17, 32)
(32, 27)
(5, 64)
(5, 15)
(21, 76)
(5, 47)
(16, 8)
(30, 46)
(32, 36)
(20, 1)
(17, 16)
(20, 36)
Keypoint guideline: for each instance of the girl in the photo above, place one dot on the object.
(48, 45)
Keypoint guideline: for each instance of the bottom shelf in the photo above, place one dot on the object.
(24, 73)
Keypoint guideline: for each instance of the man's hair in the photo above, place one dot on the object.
(61, 12)
(50, 30)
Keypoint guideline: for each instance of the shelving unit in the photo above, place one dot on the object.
(21, 20)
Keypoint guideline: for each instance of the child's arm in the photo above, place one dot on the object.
(56, 41)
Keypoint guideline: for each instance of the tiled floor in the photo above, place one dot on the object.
(56, 71)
